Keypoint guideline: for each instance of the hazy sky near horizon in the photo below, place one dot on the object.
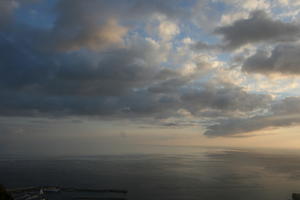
(86, 75)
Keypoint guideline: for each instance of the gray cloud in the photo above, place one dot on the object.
(125, 82)
(70, 77)
(226, 98)
(171, 9)
(7, 11)
(121, 82)
(169, 85)
(73, 83)
(281, 114)
(202, 46)
(81, 25)
(101, 25)
(97, 25)
(7, 8)
(284, 59)
(259, 27)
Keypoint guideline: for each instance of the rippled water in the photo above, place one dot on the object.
(199, 174)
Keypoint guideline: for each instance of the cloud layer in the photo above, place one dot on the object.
(143, 61)
(281, 114)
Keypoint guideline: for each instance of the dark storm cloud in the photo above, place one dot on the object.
(281, 114)
(284, 59)
(259, 27)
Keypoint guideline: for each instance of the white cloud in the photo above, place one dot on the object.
(168, 30)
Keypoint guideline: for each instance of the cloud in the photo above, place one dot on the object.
(77, 80)
(128, 82)
(205, 14)
(124, 83)
(226, 98)
(94, 37)
(259, 27)
(283, 113)
(247, 4)
(203, 46)
(167, 30)
(169, 85)
(284, 59)
(97, 60)
(97, 26)
(76, 83)
(7, 8)
(80, 25)
(142, 9)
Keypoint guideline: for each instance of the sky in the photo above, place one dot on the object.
(115, 76)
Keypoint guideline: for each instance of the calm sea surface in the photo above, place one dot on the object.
(184, 174)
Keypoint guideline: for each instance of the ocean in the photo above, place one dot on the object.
(200, 173)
